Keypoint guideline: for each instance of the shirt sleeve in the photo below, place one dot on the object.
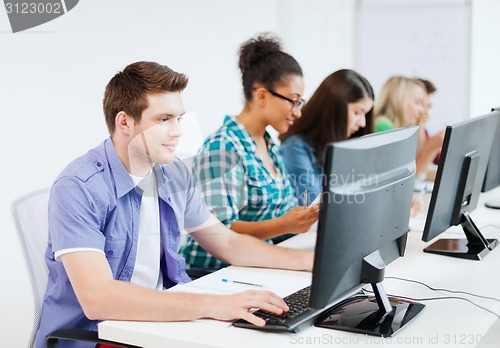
(74, 216)
(219, 173)
(196, 212)
(59, 253)
(299, 163)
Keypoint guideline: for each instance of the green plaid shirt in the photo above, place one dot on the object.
(236, 186)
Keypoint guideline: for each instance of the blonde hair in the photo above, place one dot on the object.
(393, 98)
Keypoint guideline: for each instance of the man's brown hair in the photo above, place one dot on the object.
(429, 86)
(128, 90)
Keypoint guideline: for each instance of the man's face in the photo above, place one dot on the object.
(156, 136)
(416, 106)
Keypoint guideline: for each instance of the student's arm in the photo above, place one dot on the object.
(427, 153)
(242, 250)
(300, 166)
(422, 137)
(104, 298)
(296, 220)
(221, 179)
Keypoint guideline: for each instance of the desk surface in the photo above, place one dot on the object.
(443, 323)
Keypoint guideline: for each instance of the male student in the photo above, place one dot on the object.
(115, 216)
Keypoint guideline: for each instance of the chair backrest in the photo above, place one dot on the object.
(31, 218)
(191, 140)
(189, 144)
(192, 137)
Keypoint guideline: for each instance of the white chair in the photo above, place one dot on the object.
(31, 218)
(192, 137)
(188, 146)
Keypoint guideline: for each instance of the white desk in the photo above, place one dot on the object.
(443, 323)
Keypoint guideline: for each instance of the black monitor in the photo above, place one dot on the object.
(362, 226)
(492, 176)
(460, 174)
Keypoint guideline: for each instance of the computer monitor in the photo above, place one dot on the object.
(362, 226)
(492, 176)
(460, 174)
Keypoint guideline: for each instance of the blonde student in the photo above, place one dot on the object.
(403, 102)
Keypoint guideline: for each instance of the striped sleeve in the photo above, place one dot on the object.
(219, 173)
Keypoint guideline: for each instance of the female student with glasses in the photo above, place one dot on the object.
(239, 169)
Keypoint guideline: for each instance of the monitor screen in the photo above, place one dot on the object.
(492, 176)
(460, 174)
(363, 224)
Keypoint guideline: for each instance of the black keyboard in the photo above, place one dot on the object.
(297, 316)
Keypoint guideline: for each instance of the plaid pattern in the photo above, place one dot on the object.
(236, 185)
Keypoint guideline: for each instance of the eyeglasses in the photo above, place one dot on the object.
(295, 103)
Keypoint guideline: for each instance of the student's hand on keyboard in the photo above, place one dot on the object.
(300, 219)
(237, 306)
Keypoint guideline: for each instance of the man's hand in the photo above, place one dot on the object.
(237, 306)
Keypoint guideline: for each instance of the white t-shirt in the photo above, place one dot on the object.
(147, 264)
(147, 271)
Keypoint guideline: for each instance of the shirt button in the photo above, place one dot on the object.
(109, 252)
(99, 164)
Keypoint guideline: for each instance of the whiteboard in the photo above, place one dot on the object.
(427, 39)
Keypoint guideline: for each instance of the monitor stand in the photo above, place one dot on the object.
(493, 204)
(377, 315)
(475, 247)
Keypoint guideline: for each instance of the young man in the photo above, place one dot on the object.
(115, 216)
(429, 148)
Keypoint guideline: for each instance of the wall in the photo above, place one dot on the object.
(485, 57)
(418, 38)
(52, 80)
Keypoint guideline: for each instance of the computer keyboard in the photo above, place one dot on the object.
(297, 316)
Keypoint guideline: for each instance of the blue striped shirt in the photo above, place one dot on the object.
(94, 204)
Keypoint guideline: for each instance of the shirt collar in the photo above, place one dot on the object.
(123, 182)
(247, 140)
(122, 179)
